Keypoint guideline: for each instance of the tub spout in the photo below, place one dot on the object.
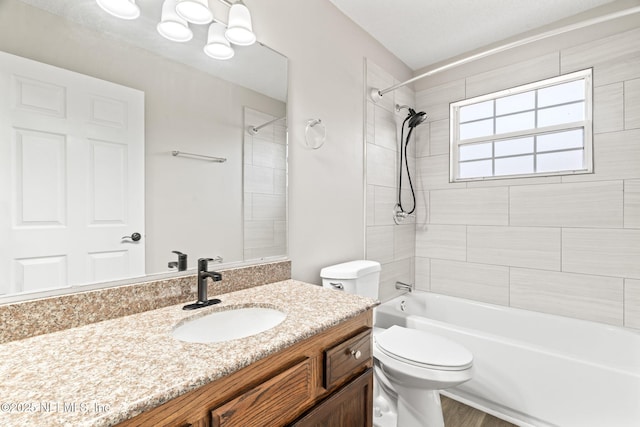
(404, 286)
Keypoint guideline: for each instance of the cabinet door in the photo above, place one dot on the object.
(351, 406)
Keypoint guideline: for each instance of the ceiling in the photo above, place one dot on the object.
(256, 67)
(425, 32)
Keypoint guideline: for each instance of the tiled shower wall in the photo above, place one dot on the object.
(563, 245)
(265, 187)
(386, 242)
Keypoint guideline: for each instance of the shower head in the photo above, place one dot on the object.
(416, 118)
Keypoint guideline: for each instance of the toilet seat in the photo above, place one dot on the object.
(423, 349)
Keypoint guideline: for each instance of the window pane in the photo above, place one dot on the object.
(509, 147)
(562, 161)
(560, 140)
(515, 103)
(475, 169)
(514, 165)
(475, 151)
(476, 111)
(515, 122)
(559, 94)
(559, 115)
(476, 129)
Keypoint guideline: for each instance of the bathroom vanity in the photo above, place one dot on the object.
(312, 368)
(323, 380)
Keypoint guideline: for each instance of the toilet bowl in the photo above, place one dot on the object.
(411, 366)
(417, 364)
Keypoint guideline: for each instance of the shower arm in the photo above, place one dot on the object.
(254, 129)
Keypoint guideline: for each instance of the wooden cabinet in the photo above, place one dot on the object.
(325, 380)
(350, 406)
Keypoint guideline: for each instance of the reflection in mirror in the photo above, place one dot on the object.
(129, 84)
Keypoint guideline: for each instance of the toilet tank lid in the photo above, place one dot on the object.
(350, 270)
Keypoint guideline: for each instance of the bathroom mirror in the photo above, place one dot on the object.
(191, 104)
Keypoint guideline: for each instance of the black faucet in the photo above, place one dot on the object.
(203, 274)
(181, 264)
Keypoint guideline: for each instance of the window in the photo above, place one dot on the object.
(542, 128)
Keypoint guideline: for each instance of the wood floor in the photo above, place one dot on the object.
(457, 414)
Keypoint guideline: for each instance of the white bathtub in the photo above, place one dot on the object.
(532, 369)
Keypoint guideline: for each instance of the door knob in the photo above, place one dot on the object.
(134, 237)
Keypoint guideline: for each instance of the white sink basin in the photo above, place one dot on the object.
(229, 325)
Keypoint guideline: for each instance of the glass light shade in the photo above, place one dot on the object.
(195, 11)
(240, 31)
(123, 9)
(218, 47)
(172, 26)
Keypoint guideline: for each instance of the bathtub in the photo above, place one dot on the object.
(530, 368)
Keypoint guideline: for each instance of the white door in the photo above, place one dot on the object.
(71, 178)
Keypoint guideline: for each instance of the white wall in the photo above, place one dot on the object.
(326, 186)
(562, 245)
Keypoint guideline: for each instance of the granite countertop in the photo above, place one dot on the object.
(104, 373)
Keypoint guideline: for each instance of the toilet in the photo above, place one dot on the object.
(410, 365)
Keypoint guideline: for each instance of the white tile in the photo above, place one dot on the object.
(400, 270)
(595, 298)
(380, 243)
(385, 129)
(632, 104)
(480, 282)
(258, 234)
(534, 247)
(423, 268)
(258, 179)
(248, 151)
(589, 204)
(422, 140)
(381, 166)
(385, 199)
(514, 75)
(632, 204)
(616, 155)
(378, 78)
(371, 122)
(608, 108)
(279, 181)
(477, 206)
(247, 207)
(268, 154)
(606, 252)
(404, 96)
(442, 242)
(632, 303)
(404, 241)
(280, 236)
(435, 101)
(433, 173)
(613, 58)
(371, 203)
(266, 206)
(439, 137)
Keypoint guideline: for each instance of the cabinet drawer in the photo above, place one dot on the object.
(275, 402)
(347, 359)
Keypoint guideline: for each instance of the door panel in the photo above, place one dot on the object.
(72, 152)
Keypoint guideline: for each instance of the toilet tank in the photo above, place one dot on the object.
(354, 277)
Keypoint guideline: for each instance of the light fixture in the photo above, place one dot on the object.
(172, 26)
(240, 31)
(195, 11)
(218, 47)
(123, 9)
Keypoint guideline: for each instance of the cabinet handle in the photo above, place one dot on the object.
(356, 354)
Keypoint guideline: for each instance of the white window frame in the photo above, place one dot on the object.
(586, 125)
